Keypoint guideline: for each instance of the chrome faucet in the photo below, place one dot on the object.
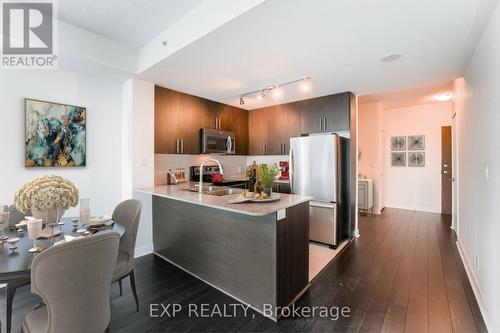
(221, 170)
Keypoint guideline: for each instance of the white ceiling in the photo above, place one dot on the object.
(282, 40)
(408, 97)
(131, 22)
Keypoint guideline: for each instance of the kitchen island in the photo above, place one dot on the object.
(258, 253)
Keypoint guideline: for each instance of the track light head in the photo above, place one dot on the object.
(242, 101)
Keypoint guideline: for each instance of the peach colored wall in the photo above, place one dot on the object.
(369, 116)
(416, 188)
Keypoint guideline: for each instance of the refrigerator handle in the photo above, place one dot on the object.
(291, 170)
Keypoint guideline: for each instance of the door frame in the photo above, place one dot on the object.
(382, 161)
(455, 195)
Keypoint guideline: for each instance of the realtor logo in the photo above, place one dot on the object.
(28, 30)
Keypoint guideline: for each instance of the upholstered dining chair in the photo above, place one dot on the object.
(128, 214)
(15, 216)
(74, 280)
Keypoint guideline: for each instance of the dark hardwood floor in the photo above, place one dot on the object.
(403, 274)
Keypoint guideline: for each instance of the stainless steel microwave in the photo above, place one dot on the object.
(217, 141)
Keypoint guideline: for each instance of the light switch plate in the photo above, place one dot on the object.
(281, 214)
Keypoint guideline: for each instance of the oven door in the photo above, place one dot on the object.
(214, 141)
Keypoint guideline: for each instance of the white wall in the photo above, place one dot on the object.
(479, 171)
(100, 180)
(138, 154)
(417, 188)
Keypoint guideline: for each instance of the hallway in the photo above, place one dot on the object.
(405, 274)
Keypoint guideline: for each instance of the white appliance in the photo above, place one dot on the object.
(365, 195)
(319, 167)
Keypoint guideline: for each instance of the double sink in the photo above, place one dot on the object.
(215, 190)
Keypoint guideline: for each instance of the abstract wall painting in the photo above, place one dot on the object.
(398, 159)
(416, 142)
(416, 159)
(55, 135)
(398, 143)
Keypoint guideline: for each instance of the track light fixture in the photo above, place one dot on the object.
(261, 93)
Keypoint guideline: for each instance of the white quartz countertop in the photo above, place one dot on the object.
(177, 192)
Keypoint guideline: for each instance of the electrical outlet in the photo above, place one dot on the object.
(477, 263)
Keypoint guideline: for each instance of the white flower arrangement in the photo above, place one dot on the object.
(47, 192)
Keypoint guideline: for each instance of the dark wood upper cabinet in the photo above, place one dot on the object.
(265, 131)
(239, 125)
(275, 130)
(257, 132)
(337, 115)
(325, 114)
(190, 110)
(166, 120)
(225, 117)
(291, 124)
(209, 113)
(179, 118)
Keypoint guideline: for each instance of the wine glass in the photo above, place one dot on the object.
(34, 230)
(4, 222)
(85, 210)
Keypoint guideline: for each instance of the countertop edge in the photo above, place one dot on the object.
(235, 210)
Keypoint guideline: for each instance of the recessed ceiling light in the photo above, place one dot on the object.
(443, 97)
(391, 57)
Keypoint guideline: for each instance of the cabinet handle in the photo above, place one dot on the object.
(325, 124)
(182, 146)
(321, 124)
(177, 146)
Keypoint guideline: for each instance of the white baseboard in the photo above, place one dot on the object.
(143, 250)
(469, 269)
(418, 209)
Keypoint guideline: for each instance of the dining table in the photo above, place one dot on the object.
(15, 265)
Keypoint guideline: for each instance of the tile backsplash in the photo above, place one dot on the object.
(234, 166)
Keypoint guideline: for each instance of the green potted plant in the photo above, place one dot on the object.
(266, 176)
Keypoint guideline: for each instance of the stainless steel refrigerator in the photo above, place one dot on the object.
(319, 167)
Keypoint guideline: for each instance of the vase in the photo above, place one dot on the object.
(49, 216)
(268, 191)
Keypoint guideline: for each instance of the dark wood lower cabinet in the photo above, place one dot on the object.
(292, 254)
